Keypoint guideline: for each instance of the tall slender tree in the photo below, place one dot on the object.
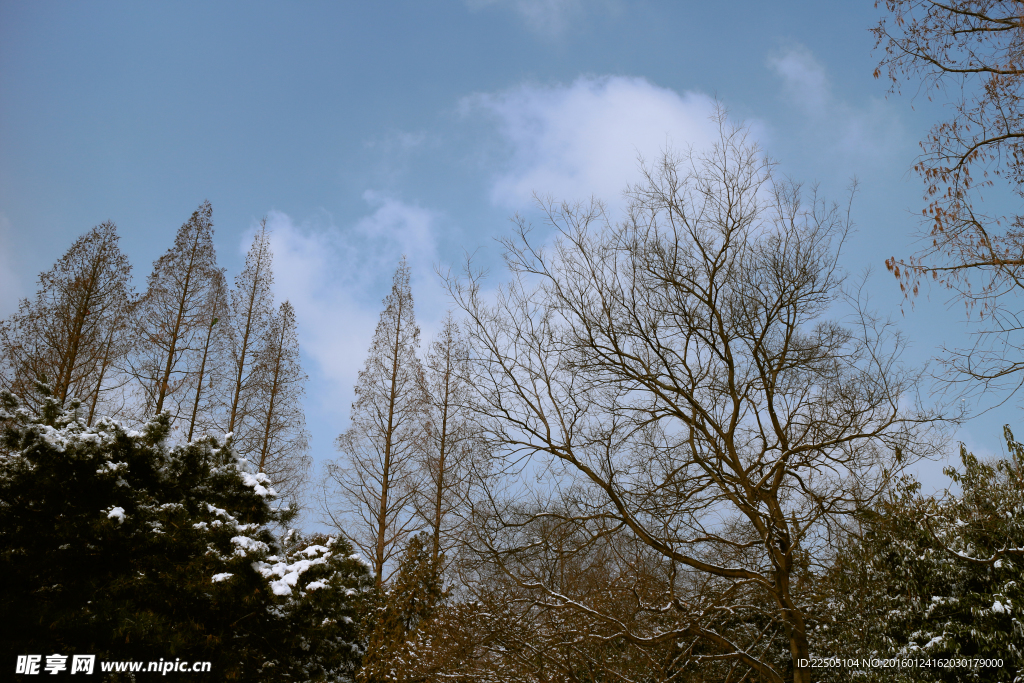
(115, 345)
(374, 481)
(278, 443)
(251, 309)
(213, 354)
(451, 444)
(72, 334)
(173, 319)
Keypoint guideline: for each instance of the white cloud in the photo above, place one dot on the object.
(314, 272)
(869, 130)
(336, 278)
(397, 227)
(803, 76)
(546, 17)
(582, 140)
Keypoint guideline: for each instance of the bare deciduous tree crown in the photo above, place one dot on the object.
(704, 423)
(971, 54)
(452, 460)
(251, 309)
(279, 441)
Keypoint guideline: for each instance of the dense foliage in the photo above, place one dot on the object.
(399, 647)
(935, 578)
(113, 543)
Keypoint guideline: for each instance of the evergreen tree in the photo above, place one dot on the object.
(398, 648)
(114, 544)
(73, 334)
(174, 320)
(324, 591)
(935, 578)
(375, 480)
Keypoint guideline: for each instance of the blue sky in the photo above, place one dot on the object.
(365, 130)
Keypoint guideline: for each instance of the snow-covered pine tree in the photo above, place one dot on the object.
(174, 319)
(324, 591)
(279, 441)
(371, 487)
(73, 334)
(934, 577)
(114, 544)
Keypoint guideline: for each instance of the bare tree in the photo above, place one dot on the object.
(111, 393)
(451, 460)
(278, 441)
(173, 319)
(502, 629)
(683, 402)
(213, 353)
(970, 53)
(374, 482)
(74, 333)
(251, 307)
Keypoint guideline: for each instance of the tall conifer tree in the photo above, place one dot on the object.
(73, 334)
(174, 319)
(375, 479)
(251, 309)
(213, 355)
(451, 443)
(278, 443)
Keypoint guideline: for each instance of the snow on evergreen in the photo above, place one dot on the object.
(117, 544)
